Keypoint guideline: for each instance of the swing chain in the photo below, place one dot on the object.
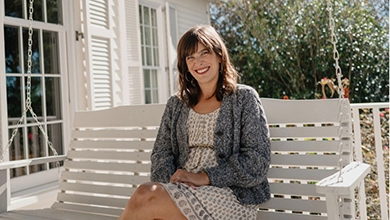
(28, 106)
(29, 53)
(341, 95)
(343, 103)
(336, 55)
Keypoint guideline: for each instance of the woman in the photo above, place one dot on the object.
(212, 151)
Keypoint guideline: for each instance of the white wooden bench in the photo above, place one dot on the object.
(110, 149)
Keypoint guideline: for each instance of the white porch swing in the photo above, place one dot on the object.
(109, 157)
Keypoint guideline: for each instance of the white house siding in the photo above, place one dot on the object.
(191, 13)
(187, 12)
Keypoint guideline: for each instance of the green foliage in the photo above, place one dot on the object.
(283, 47)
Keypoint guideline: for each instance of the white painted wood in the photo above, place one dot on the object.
(101, 174)
(107, 166)
(287, 216)
(172, 40)
(112, 144)
(299, 174)
(308, 160)
(301, 111)
(103, 189)
(309, 146)
(315, 206)
(351, 176)
(53, 214)
(100, 212)
(14, 164)
(380, 163)
(332, 206)
(134, 55)
(308, 132)
(359, 157)
(4, 190)
(106, 177)
(93, 200)
(121, 116)
(294, 189)
(109, 156)
(99, 41)
(114, 134)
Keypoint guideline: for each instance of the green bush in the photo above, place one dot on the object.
(283, 47)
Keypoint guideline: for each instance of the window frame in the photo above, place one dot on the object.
(64, 43)
(162, 72)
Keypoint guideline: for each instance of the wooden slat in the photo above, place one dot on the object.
(92, 200)
(105, 178)
(103, 213)
(126, 116)
(52, 214)
(265, 215)
(299, 174)
(113, 134)
(307, 132)
(111, 144)
(302, 111)
(316, 206)
(308, 160)
(107, 166)
(309, 146)
(100, 189)
(19, 215)
(109, 155)
(294, 189)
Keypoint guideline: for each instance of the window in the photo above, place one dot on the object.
(150, 52)
(46, 80)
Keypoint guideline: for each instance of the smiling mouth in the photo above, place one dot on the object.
(200, 71)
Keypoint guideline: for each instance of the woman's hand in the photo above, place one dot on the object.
(191, 179)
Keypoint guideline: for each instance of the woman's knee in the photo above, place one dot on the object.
(146, 192)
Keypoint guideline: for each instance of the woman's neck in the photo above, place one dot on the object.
(208, 92)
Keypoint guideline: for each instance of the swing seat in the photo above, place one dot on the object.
(109, 156)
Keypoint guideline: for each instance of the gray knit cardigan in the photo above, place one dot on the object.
(241, 143)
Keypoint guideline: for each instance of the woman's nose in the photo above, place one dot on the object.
(199, 60)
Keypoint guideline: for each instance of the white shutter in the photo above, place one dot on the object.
(172, 40)
(135, 82)
(98, 42)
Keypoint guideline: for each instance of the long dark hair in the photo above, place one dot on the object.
(189, 89)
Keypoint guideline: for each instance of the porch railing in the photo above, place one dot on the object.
(371, 135)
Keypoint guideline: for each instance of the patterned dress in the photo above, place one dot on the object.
(206, 202)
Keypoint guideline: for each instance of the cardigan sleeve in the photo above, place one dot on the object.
(162, 157)
(248, 165)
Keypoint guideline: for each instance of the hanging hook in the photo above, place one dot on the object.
(79, 34)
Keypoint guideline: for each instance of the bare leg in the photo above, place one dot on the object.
(151, 201)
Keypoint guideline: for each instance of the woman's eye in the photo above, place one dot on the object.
(189, 58)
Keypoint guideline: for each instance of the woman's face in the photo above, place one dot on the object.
(204, 66)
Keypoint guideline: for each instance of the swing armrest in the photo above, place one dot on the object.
(14, 164)
(4, 175)
(21, 163)
(352, 175)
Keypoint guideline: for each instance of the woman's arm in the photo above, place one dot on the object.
(162, 158)
(248, 166)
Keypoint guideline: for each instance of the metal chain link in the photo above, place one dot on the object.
(342, 103)
(28, 107)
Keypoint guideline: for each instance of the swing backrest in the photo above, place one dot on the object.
(109, 156)
(305, 149)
